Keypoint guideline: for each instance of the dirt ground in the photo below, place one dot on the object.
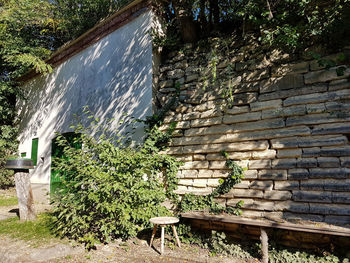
(135, 250)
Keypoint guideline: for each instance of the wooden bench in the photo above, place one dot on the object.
(268, 224)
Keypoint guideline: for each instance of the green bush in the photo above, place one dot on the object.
(110, 190)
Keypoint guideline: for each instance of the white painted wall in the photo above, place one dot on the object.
(112, 76)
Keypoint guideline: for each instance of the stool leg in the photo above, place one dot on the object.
(176, 236)
(153, 234)
(162, 241)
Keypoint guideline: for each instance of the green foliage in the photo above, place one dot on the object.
(191, 202)
(78, 16)
(111, 190)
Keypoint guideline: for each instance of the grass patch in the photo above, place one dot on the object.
(8, 201)
(37, 232)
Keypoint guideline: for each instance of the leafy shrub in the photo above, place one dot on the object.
(110, 190)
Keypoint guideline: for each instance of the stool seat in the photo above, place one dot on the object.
(164, 220)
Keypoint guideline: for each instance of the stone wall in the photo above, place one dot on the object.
(284, 118)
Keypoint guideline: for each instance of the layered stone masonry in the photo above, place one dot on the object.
(288, 124)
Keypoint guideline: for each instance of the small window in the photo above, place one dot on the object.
(24, 154)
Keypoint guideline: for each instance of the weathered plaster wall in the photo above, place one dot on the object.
(288, 125)
(112, 77)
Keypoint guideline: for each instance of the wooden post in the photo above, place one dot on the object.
(24, 195)
(264, 245)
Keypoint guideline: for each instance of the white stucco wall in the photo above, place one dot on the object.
(112, 76)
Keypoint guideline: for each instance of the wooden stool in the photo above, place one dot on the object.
(163, 221)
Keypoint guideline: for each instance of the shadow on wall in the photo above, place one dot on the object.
(111, 77)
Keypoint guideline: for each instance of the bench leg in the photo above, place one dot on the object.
(162, 241)
(176, 236)
(264, 245)
(153, 234)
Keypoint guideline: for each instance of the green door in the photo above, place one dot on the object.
(57, 152)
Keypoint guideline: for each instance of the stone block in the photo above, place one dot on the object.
(217, 129)
(312, 185)
(337, 220)
(307, 217)
(206, 122)
(213, 182)
(328, 162)
(252, 214)
(195, 165)
(272, 174)
(166, 84)
(286, 185)
(341, 197)
(245, 98)
(210, 114)
(242, 185)
(342, 185)
(264, 105)
(309, 141)
(339, 84)
(205, 173)
(316, 119)
(191, 116)
(292, 206)
(261, 185)
(312, 196)
(199, 140)
(192, 77)
(251, 116)
(260, 205)
(216, 148)
(289, 153)
(175, 74)
(290, 81)
(217, 165)
(258, 164)
(200, 183)
(315, 108)
(247, 193)
(240, 66)
(185, 182)
(189, 174)
(284, 163)
(280, 70)
(345, 161)
(282, 94)
(199, 157)
(306, 162)
(311, 152)
(267, 154)
(337, 105)
(250, 174)
(338, 173)
(325, 75)
(297, 110)
(184, 158)
(277, 195)
(298, 174)
(220, 173)
(268, 134)
(256, 75)
(335, 151)
(237, 110)
(259, 125)
(333, 128)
